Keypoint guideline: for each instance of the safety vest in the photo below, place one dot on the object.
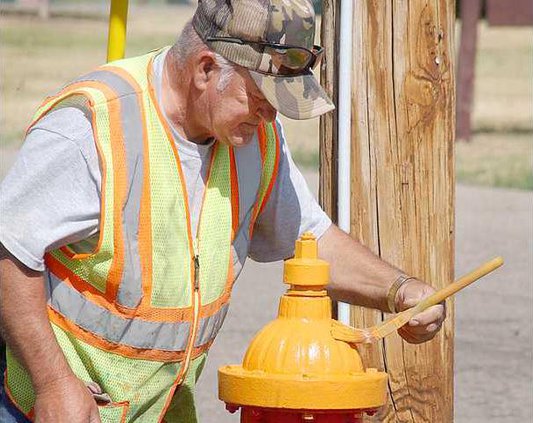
(137, 314)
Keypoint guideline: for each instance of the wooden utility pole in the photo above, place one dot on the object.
(329, 35)
(403, 111)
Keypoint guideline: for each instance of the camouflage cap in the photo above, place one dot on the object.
(288, 22)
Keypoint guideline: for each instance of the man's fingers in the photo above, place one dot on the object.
(407, 334)
(433, 315)
(422, 331)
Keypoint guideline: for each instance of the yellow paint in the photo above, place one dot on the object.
(294, 362)
(305, 269)
(116, 41)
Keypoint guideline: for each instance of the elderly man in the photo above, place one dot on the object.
(141, 189)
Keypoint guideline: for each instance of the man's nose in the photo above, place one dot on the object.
(266, 111)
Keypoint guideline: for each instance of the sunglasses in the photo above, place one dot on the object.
(285, 60)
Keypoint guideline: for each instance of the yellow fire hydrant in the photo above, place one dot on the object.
(294, 370)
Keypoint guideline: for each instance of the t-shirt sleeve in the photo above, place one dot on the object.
(290, 211)
(51, 195)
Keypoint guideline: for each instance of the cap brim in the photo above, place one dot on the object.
(297, 97)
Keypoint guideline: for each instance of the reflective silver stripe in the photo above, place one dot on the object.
(209, 326)
(134, 332)
(130, 290)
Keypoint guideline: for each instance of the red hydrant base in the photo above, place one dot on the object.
(273, 415)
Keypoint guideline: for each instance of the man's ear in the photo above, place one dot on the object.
(204, 66)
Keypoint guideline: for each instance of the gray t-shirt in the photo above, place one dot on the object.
(51, 196)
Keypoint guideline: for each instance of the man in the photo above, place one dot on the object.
(139, 192)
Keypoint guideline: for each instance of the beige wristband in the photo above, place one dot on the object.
(393, 290)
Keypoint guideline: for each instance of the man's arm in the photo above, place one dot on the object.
(60, 395)
(361, 278)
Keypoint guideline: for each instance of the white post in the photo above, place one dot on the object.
(345, 128)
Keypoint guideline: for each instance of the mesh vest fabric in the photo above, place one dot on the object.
(129, 315)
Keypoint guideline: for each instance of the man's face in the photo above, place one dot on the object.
(237, 110)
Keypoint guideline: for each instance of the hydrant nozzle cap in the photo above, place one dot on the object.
(306, 269)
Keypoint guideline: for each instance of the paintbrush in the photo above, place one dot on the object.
(375, 333)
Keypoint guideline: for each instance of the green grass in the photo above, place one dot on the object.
(44, 55)
(492, 160)
(307, 159)
(487, 160)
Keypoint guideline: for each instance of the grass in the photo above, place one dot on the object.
(38, 57)
(503, 88)
(500, 153)
(491, 160)
(42, 56)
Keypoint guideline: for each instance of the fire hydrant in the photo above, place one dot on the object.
(294, 370)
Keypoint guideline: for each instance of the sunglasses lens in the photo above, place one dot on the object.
(296, 58)
(289, 61)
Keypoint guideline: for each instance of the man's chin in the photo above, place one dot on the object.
(239, 140)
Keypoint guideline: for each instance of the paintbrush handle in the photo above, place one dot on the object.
(352, 335)
(459, 284)
(400, 319)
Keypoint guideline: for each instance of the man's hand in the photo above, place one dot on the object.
(66, 400)
(424, 326)
(360, 277)
(60, 397)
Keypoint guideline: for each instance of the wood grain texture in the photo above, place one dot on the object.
(403, 182)
(329, 35)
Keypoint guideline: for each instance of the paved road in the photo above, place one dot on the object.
(493, 358)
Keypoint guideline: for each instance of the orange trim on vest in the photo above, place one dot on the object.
(122, 350)
(274, 172)
(235, 202)
(95, 296)
(150, 314)
(145, 212)
(125, 75)
(30, 414)
(230, 279)
(120, 183)
(145, 309)
(262, 141)
(55, 99)
(125, 404)
(145, 230)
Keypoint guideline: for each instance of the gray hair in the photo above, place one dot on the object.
(189, 43)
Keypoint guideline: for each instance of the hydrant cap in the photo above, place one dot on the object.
(306, 269)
